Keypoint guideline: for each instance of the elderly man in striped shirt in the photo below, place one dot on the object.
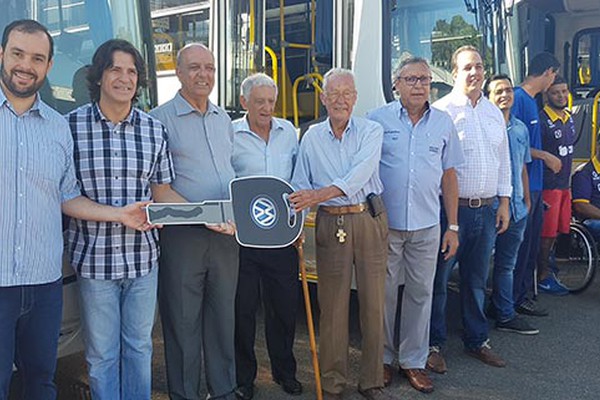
(120, 156)
(484, 177)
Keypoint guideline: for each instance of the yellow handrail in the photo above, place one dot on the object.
(595, 105)
(299, 46)
(315, 76)
(273, 56)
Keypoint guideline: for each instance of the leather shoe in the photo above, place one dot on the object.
(388, 373)
(290, 386)
(244, 392)
(375, 393)
(419, 379)
(486, 355)
(435, 361)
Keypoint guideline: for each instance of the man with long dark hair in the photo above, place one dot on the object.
(120, 156)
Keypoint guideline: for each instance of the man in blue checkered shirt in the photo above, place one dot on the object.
(120, 156)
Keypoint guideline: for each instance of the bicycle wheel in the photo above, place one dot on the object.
(575, 257)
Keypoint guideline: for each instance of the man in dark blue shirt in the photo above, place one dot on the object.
(558, 138)
(540, 75)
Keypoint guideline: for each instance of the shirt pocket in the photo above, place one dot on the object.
(46, 161)
(391, 141)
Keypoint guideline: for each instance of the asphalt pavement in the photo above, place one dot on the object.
(561, 363)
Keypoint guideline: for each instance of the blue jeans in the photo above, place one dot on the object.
(476, 237)
(30, 325)
(505, 258)
(117, 318)
(527, 258)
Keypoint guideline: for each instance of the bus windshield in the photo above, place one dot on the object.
(432, 29)
(78, 28)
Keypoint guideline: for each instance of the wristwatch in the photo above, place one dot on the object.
(453, 228)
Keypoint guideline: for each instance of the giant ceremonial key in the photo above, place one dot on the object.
(259, 206)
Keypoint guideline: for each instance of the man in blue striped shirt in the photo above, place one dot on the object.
(37, 180)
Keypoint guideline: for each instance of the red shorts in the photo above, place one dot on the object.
(557, 217)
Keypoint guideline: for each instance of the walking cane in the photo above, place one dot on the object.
(309, 320)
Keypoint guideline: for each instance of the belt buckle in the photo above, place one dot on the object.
(473, 205)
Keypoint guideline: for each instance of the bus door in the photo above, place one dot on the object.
(290, 40)
(570, 30)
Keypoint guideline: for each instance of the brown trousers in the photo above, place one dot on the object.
(365, 248)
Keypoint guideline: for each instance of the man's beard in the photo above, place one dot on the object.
(22, 93)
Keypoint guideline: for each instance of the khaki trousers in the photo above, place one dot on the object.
(365, 248)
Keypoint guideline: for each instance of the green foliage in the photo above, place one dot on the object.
(447, 37)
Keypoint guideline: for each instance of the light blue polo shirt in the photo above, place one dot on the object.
(201, 145)
(413, 160)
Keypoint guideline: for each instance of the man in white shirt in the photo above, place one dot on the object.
(483, 178)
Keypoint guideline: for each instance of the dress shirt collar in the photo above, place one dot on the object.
(183, 107)
(245, 126)
(99, 116)
(37, 108)
(554, 116)
(349, 128)
(461, 99)
(402, 111)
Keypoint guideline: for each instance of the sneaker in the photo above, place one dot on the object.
(551, 286)
(517, 325)
(529, 307)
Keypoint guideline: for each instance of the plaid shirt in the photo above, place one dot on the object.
(115, 165)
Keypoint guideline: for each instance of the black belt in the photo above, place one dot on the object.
(476, 202)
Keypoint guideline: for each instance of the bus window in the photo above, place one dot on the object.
(176, 23)
(433, 29)
(586, 54)
(78, 27)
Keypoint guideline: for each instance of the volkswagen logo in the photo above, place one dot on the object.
(263, 212)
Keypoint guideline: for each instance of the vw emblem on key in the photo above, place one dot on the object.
(264, 213)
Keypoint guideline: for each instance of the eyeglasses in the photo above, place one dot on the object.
(412, 80)
(346, 95)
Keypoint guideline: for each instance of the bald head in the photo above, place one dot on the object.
(196, 72)
(192, 47)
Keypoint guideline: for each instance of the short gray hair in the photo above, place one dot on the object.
(256, 80)
(334, 72)
(409, 61)
(189, 45)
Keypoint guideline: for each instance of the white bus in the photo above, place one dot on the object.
(297, 41)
